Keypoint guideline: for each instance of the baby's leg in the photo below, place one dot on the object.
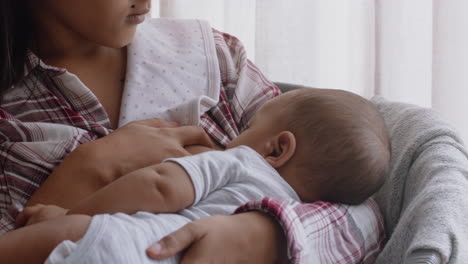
(32, 244)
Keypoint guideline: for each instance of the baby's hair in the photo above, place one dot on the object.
(342, 142)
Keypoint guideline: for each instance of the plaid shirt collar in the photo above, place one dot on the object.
(32, 62)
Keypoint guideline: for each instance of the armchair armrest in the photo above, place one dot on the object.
(423, 256)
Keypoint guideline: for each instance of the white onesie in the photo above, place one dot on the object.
(223, 181)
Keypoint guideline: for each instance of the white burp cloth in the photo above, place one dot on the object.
(172, 73)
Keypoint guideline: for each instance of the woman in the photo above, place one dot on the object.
(63, 71)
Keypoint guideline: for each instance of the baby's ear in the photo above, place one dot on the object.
(281, 149)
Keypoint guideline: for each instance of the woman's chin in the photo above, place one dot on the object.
(120, 40)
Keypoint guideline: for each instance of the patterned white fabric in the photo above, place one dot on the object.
(178, 65)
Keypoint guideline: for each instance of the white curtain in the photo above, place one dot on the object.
(413, 51)
(422, 55)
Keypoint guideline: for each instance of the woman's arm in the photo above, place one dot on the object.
(307, 234)
(251, 237)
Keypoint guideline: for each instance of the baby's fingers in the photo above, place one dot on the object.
(24, 216)
(21, 220)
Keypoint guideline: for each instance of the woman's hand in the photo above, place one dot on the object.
(244, 238)
(143, 143)
(95, 164)
(39, 213)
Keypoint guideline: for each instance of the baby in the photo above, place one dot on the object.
(308, 145)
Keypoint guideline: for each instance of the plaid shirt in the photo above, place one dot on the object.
(48, 115)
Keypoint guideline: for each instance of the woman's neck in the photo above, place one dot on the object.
(56, 43)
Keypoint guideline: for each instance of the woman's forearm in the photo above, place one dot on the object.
(217, 238)
(265, 230)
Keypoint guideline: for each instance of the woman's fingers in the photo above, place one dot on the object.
(174, 243)
(158, 123)
(192, 135)
(185, 135)
(21, 219)
(26, 214)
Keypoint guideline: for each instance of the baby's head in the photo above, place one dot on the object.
(329, 145)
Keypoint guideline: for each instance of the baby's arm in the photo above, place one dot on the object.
(162, 188)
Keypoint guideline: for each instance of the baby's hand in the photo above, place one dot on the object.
(39, 213)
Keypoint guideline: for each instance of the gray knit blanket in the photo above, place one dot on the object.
(425, 198)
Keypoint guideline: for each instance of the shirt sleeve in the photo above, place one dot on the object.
(28, 154)
(316, 233)
(326, 233)
(243, 90)
(211, 171)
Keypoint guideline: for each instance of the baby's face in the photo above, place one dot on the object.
(267, 122)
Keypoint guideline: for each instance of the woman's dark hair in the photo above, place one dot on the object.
(16, 35)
